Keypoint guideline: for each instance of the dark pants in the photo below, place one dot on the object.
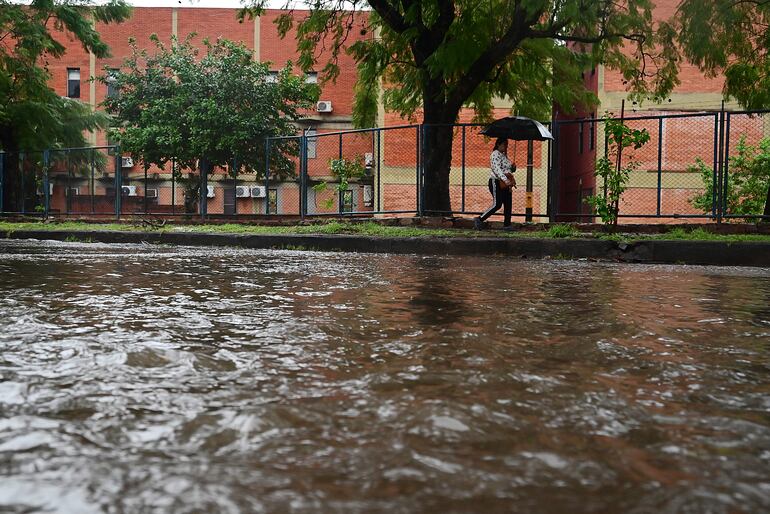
(502, 198)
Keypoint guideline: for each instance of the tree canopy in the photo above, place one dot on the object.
(32, 115)
(436, 56)
(730, 37)
(181, 103)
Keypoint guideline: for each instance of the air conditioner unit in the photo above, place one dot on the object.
(151, 192)
(368, 160)
(126, 162)
(73, 191)
(242, 192)
(209, 191)
(128, 190)
(258, 192)
(323, 106)
(368, 196)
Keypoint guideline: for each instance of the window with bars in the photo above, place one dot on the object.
(112, 88)
(580, 137)
(73, 82)
(312, 143)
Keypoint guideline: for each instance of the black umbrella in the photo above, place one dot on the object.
(517, 128)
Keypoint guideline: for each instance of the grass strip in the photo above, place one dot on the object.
(373, 229)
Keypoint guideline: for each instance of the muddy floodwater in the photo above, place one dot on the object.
(140, 378)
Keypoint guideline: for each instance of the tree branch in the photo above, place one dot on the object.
(391, 16)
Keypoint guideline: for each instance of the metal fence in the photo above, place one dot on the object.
(692, 167)
(707, 166)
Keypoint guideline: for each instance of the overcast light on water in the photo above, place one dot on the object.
(139, 378)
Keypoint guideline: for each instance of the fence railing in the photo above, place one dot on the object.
(708, 166)
(689, 168)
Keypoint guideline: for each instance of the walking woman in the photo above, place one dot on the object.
(500, 183)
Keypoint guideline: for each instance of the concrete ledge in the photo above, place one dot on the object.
(650, 251)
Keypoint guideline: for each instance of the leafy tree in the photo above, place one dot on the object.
(729, 37)
(343, 171)
(219, 106)
(747, 182)
(609, 167)
(436, 56)
(32, 115)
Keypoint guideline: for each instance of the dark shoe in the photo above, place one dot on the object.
(478, 224)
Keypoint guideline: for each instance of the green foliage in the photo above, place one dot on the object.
(186, 104)
(748, 180)
(728, 37)
(432, 58)
(615, 176)
(32, 115)
(561, 231)
(465, 52)
(343, 171)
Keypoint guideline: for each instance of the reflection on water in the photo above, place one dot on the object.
(141, 378)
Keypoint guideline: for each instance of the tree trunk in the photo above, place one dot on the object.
(767, 206)
(437, 154)
(436, 151)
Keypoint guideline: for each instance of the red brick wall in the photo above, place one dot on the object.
(280, 51)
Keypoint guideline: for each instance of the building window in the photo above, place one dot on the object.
(112, 88)
(312, 143)
(272, 201)
(73, 82)
(347, 201)
(580, 137)
(311, 77)
(272, 77)
(592, 135)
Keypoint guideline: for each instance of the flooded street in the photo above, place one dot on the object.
(141, 378)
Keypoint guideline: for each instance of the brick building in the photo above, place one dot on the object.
(391, 154)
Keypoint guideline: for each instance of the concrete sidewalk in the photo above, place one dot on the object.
(648, 251)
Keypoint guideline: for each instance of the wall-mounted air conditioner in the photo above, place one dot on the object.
(128, 190)
(242, 192)
(258, 192)
(209, 191)
(368, 196)
(126, 162)
(151, 192)
(324, 106)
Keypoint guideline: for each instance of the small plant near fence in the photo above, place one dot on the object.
(748, 180)
(343, 170)
(613, 174)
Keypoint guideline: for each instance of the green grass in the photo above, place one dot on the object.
(370, 228)
(684, 234)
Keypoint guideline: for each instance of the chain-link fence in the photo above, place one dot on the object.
(707, 166)
(470, 172)
(694, 166)
(354, 172)
(59, 181)
(746, 173)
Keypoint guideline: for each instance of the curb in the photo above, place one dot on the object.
(654, 251)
